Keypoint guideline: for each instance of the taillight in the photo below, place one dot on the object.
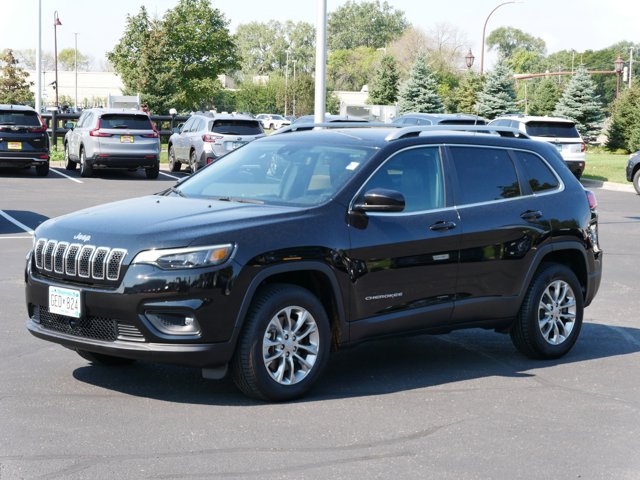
(591, 198)
(208, 137)
(583, 147)
(97, 133)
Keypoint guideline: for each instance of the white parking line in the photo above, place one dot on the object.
(16, 222)
(66, 176)
(170, 176)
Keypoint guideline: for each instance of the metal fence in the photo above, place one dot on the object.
(55, 124)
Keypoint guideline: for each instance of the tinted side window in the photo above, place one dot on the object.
(417, 174)
(484, 174)
(539, 175)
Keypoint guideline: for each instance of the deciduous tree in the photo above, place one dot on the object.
(67, 60)
(14, 87)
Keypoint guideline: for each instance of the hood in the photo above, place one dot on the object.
(160, 222)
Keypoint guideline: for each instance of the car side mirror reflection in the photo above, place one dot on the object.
(380, 200)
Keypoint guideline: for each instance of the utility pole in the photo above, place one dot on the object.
(76, 61)
(630, 64)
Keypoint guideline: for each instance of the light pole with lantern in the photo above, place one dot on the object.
(484, 30)
(468, 60)
(56, 24)
(618, 65)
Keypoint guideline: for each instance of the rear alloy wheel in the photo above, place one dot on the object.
(86, 169)
(68, 163)
(174, 165)
(284, 345)
(102, 359)
(636, 181)
(193, 162)
(550, 318)
(42, 170)
(152, 172)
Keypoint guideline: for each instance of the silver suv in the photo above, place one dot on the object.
(112, 138)
(207, 136)
(560, 132)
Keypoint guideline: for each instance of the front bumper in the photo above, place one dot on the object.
(117, 320)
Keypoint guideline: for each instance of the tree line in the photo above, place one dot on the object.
(174, 62)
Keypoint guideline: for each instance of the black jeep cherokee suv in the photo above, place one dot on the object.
(23, 139)
(302, 242)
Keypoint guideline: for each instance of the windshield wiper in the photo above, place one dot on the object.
(175, 190)
(238, 200)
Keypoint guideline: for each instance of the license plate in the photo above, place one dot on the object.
(64, 301)
(14, 145)
(126, 139)
(234, 145)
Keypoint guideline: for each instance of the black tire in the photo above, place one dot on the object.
(174, 165)
(68, 163)
(42, 170)
(636, 181)
(86, 169)
(297, 361)
(193, 162)
(152, 172)
(102, 359)
(533, 331)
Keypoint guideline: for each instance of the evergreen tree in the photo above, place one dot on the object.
(465, 97)
(384, 88)
(420, 92)
(14, 87)
(545, 98)
(579, 103)
(625, 119)
(498, 95)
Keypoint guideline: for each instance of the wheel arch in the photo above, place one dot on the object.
(318, 278)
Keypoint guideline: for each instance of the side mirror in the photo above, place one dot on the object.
(69, 125)
(380, 200)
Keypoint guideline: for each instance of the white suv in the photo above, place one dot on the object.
(558, 131)
(272, 122)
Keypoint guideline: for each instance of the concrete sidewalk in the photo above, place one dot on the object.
(619, 187)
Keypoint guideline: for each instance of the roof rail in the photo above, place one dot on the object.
(339, 124)
(415, 131)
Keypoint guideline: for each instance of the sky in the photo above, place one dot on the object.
(562, 24)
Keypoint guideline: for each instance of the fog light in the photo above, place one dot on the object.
(173, 323)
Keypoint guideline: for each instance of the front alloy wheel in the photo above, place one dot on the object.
(284, 344)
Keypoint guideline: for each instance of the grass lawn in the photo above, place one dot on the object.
(607, 167)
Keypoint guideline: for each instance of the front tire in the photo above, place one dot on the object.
(102, 359)
(68, 163)
(636, 181)
(550, 317)
(284, 344)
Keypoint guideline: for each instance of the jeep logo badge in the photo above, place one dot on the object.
(82, 237)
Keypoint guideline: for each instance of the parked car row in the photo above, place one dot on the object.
(118, 138)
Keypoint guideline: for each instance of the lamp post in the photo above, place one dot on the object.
(293, 112)
(630, 64)
(618, 64)
(484, 29)
(468, 59)
(76, 65)
(56, 24)
(286, 84)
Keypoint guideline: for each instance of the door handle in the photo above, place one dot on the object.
(531, 215)
(442, 226)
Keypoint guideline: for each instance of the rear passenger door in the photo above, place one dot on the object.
(502, 225)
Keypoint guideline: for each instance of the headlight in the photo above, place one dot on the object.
(189, 257)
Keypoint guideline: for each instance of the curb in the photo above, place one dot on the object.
(617, 187)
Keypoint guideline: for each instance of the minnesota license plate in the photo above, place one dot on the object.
(126, 138)
(64, 301)
(14, 145)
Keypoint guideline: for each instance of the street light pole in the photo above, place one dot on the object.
(286, 84)
(618, 65)
(39, 61)
(630, 64)
(484, 29)
(76, 62)
(294, 88)
(56, 23)
(321, 61)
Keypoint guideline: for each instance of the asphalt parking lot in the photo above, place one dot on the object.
(459, 406)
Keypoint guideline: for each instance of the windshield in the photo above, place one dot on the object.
(278, 172)
(552, 129)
